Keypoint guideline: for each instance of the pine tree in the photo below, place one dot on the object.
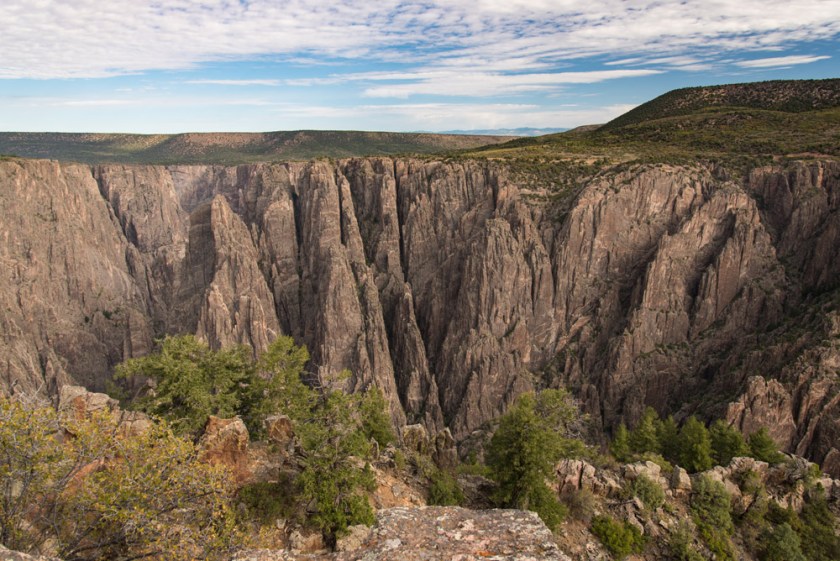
(727, 443)
(643, 438)
(695, 446)
(668, 434)
(530, 439)
(620, 445)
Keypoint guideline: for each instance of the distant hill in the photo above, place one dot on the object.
(740, 125)
(791, 96)
(230, 148)
(520, 131)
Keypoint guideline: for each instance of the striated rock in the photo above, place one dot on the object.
(226, 442)
(414, 534)
(441, 284)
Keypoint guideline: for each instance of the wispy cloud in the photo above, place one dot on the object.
(780, 61)
(90, 38)
(256, 82)
(482, 84)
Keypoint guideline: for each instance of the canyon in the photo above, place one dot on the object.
(451, 284)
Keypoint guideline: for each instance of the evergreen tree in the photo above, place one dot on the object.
(643, 438)
(620, 445)
(376, 423)
(764, 448)
(192, 382)
(333, 483)
(727, 443)
(782, 544)
(530, 439)
(668, 435)
(695, 446)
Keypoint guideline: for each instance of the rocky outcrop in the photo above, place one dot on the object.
(668, 286)
(412, 534)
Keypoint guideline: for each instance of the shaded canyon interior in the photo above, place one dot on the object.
(445, 283)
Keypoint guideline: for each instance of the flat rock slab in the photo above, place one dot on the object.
(442, 533)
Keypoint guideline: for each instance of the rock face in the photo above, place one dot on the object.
(440, 283)
(414, 534)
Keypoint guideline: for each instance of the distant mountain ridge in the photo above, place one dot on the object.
(777, 95)
(230, 148)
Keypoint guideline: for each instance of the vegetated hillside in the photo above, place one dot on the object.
(777, 95)
(229, 148)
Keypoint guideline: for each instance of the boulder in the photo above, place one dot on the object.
(226, 442)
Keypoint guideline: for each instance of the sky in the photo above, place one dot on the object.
(171, 66)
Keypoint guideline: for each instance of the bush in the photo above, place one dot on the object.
(681, 543)
(532, 436)
(620, 538)
(581, 504)
(782, 544)
(650, 492)
(817, 528)
(100, 494)
(710, 505)
(444, 489)
(269, 501)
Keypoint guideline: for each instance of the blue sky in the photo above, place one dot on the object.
(262, 65)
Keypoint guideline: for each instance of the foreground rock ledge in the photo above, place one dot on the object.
(436, 533)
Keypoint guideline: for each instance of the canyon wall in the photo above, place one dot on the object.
(444, 283)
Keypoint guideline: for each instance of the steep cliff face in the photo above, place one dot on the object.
(441, 283)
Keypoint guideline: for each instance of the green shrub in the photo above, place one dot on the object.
(444, 489)
(620, 538)
(782, 544)
(650, 492)
(681, 543)
(581, 504)
(710, 504)
(818, 528)
(269, 501)
(100, 493)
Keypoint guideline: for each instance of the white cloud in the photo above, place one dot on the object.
(91, 38)
(779, 61)
(255, 82)
(483, 85)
